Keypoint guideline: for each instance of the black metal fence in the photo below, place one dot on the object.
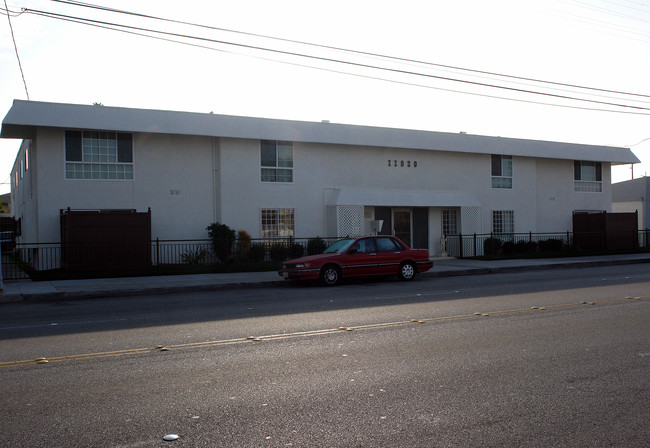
(24, 259)
(491, 244)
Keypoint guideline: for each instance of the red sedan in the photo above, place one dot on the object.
(357, 257)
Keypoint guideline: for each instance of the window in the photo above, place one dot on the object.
(503, 222)
(588, 176)
(501, 171)
(98, 155)
(277, 222)
(365, 246)
(449, 222)
(386, 244)
(277, 161)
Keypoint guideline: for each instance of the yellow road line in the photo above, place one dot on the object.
(136, 351)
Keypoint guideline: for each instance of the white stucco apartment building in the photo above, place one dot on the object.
(279, 178)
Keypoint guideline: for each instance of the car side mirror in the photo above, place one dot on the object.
(353, 251)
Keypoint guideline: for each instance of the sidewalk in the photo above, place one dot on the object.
(26, 290)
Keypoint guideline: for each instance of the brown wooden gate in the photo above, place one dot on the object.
(608, 231)
(105, 240)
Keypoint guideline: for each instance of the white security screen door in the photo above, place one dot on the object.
(402, 225)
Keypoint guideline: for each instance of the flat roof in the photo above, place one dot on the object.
(25, 117)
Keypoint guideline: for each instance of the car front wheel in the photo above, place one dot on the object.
(330, 275)
(406, 271)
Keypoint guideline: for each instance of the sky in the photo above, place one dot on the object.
(444, 73)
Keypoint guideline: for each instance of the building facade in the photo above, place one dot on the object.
(278, 178)
(633, 196)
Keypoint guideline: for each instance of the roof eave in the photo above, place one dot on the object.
(25, 117)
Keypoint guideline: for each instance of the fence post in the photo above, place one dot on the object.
(492, 249)
(157, 251)
(475, 240)
(460, 245)
(290, 251)
(530, 242)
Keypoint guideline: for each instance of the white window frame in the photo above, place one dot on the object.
(502, 168)
(503, 222)
(277, 167)
(449, 222)
(587, 176)
(100, 157)
(277, 223)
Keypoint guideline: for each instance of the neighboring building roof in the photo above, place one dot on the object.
(631, 190)
(25, 116)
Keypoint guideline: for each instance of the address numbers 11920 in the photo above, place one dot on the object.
(403, 163)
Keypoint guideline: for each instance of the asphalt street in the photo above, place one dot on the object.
(551, 358)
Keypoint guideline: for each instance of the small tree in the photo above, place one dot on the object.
(243, 245)
(223, 238)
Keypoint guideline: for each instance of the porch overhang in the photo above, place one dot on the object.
(399, 198)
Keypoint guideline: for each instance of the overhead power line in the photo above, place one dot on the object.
(295, 64)
(328, 59)
(347, 50)
(156, 34)
(20, 65)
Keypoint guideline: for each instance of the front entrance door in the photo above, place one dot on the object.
(402, 225)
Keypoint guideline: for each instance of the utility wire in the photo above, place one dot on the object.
(295, 64)
(329, 70)
(20, 65)
(364, 53)
(326, 59)
(81, 21)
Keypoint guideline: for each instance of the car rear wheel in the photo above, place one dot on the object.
(406, 271)
(330, 275)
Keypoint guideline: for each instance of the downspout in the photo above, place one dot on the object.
(216, 179)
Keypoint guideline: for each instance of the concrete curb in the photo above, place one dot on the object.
(140, 291)
(128, 292)
(546, 267)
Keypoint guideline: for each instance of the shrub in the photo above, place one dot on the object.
(223, 238)
(491, 246)
(523, 247)
(316, 246)
(278, 252)
(509, 247)
(194, 256)
(551, 245)
(296, 250)
(257, 252)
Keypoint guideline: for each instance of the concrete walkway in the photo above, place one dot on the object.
(27, 290)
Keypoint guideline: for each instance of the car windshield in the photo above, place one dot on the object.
(340, 246)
